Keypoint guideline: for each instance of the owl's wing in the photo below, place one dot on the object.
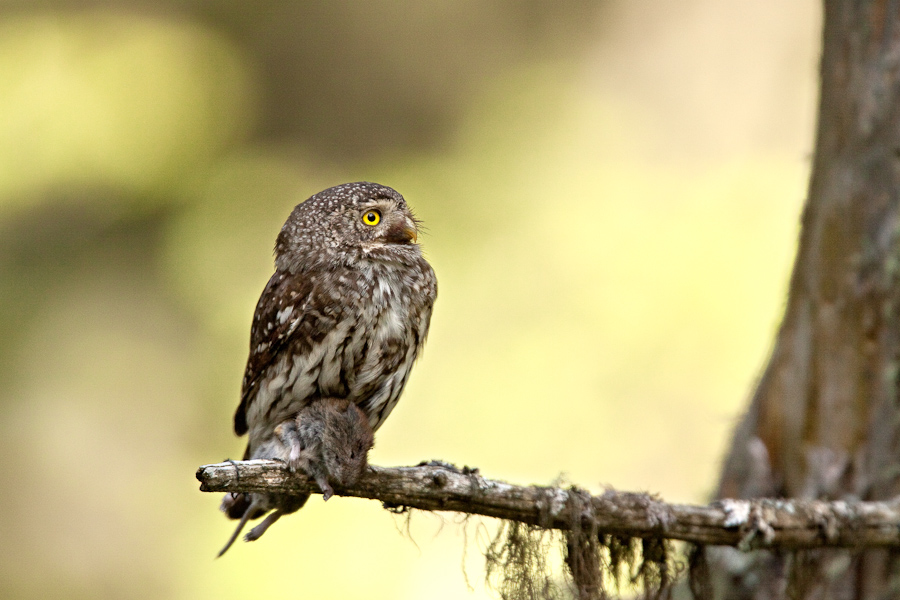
(285, 306)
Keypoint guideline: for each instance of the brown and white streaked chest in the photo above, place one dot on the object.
(352, 333)
(400, 303)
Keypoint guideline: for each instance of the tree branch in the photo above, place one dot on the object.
(746, 524)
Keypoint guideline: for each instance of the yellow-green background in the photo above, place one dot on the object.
(611, 192)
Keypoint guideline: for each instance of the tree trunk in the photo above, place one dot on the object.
(825, 419)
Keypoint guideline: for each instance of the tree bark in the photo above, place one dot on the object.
(824, 420)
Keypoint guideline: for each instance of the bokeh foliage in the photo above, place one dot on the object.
(611, 192)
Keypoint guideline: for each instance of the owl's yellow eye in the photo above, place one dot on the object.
(372, 218)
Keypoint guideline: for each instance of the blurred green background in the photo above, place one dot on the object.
(611, 191)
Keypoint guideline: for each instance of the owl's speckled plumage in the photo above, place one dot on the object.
(344, 315)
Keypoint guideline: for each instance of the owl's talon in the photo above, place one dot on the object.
(294, 462)
(289, 436)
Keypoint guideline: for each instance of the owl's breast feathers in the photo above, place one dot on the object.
(345, 333)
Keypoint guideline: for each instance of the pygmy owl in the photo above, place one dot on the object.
(343, 317)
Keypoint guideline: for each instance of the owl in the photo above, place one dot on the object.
(344, 316)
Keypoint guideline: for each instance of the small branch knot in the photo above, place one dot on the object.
(757, 531)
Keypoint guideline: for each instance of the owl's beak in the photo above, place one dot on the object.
(411, 230)
(404, 232)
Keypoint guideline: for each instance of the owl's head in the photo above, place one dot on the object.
(346, 224)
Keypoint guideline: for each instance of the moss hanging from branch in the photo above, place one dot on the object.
(519, 567)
